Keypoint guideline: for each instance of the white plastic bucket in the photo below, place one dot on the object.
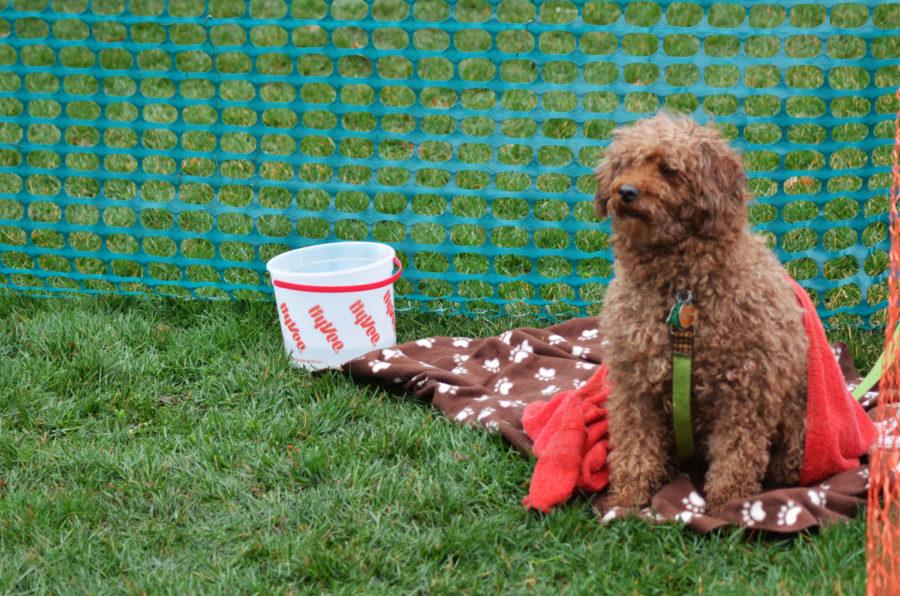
(335, 301)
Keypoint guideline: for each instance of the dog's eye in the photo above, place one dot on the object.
(667, 170)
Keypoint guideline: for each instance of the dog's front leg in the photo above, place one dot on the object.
(738, 449)
(639, 458)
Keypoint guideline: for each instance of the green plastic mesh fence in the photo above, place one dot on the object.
(171, 148)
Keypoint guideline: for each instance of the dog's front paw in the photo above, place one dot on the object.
(626, 497)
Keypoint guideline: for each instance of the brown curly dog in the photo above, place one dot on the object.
(677, 196)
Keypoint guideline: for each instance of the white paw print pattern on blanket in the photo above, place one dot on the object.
(752, 513)
(389, 354)
(545, 374)
(685, 517)
(521, 352)
(694, 503)
(378, 365)
(445, 388)
(485, 413)
(589, 334)
(459, 359)
(503, 386)
(512, 403)
(788, 513)
(464, 414)
(817, 498)
(492, 365)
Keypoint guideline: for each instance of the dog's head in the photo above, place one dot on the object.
(668, 178)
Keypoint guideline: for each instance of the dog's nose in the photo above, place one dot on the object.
(628, 193)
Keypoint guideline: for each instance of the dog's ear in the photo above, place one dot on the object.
(722, 184)
(604, 188)
(722, 170)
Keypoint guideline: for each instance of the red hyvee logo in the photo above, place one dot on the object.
(326, 327)
(365, 320)
(389, 307)
(292, 327)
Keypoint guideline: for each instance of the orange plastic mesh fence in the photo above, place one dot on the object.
(883, 532)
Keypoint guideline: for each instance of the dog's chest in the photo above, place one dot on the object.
(638, 338)
(639, 343)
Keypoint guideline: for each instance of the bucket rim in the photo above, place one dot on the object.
(272, 265)
(313, 289)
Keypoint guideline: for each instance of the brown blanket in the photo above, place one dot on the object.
(487, 382)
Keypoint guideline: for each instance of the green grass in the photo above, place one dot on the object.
(168, 447)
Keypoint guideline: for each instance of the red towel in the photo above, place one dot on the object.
(838, 431)
(570, 432)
